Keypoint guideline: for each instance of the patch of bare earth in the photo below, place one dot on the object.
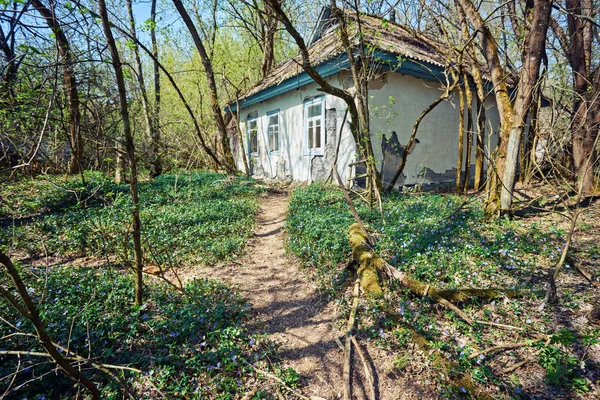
(287, 306)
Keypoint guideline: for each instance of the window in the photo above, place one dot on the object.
(273, 130)
(315, 138)
(253, 135)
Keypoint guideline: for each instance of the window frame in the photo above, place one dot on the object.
(268, 124)
(318, 151)
(250, 119)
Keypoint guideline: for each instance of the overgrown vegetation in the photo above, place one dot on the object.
(188, 343)
(445, 241)
(197, 217)
(189, 346)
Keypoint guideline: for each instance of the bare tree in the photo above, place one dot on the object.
(150, 121)
(70, 82)
(130, 148)
(577, 46)
(156, 162)
(228, 161)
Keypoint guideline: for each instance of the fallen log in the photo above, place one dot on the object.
(370, 264)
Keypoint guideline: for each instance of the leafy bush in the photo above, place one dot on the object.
(187, 345)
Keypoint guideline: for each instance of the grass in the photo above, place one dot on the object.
(190, 344)
(446, 242)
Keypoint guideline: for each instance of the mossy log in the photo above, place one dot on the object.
(370, 264)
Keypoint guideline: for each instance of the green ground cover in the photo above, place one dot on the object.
(187, 345)
(194, 217)
(445, 241)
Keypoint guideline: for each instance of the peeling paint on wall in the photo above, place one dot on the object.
(321, 165)
(282, 172)
(392, 151)
(430, 175)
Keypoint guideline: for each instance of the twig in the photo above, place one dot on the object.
(365, 368)
(506, 346)
(502, 326)
(516, 366)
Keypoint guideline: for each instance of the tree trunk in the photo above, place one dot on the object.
(270, 25)
(129, 147)
(70, 82)
(228, 163)
(505, 110)
(360, 79)
(461, 138)
(469, 101)
(139, 73)
(577, 45)
(535, 47)
(156, 163)
(481, 118)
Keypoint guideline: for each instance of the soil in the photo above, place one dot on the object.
(287, 306)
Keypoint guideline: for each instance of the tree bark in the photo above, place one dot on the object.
(156, 163)
(535, 47)
(469, 101)
(228, 163)
(129, 147)
(70, 82)
(461, 138)
(270, 26)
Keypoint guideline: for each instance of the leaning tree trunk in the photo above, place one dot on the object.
(228, 163)
(270, 25)
(535, 43)
(156, 162)
(503, 103)
(512, 119)
(139, 72)
(129, 147)
(64, 50)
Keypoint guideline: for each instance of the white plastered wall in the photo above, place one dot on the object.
(395, 103)
(292, 135)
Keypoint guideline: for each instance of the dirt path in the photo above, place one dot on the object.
(286, 305)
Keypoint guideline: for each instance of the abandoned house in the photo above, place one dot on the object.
(292, 130)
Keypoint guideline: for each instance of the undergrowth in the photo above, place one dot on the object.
(445, 241)
(192, 217)
(193, 345)
(189, 346)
